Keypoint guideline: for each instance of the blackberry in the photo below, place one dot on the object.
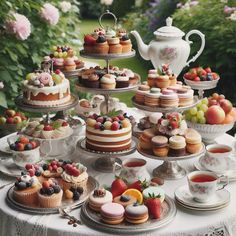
(80, 190)
(76, 196)
(56, 188)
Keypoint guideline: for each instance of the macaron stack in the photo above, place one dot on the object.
(177, 145)
(145, 139)
(152, 99)
(141, 92)
(193, 141)
(136, 214)
(160, 146)
(169, 98)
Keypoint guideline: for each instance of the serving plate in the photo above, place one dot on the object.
(36, 209)
(93, 219)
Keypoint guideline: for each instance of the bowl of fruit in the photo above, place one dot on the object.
(212, 117)
(201, 79)
(24, 150)
(12, 121)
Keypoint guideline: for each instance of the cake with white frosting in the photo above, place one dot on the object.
(108, 134)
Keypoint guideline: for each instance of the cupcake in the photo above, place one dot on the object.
(125, 200)
(92, 81)
(145, 139)
(74, 175)
(101, 45)
(152, 99)
(160, 146)
(50, 195)
(177, 146)
(25, 190)
(193, 141)
(121, 33)
(151, 78)
(69, 64)
(58, 63)
(85, 75)
(126, 44)
(114, 45)
(172, 79)
(162, 81)
(79, 64)
(108, 81)
(140, 93)
(122, 81)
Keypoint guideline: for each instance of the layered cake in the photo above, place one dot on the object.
(108, 134)
(46, 89)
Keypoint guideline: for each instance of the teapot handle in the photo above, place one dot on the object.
(202, 36)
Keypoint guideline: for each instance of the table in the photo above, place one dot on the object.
(186, 222)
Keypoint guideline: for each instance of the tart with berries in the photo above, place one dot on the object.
(108, 133)
(50, 195)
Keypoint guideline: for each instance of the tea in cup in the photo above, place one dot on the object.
(217, 157)
(204, 184)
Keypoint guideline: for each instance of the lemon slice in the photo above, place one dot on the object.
(134, 193)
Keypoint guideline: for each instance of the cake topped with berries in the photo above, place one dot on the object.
(108, 133)
(48, 130)
(46, 88)
(171, 124)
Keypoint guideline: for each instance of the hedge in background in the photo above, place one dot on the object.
(21, 51)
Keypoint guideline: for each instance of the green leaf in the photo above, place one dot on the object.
(3, 101)
(5, 76)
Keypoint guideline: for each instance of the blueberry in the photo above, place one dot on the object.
(29, 184)
(23, 173)
(45, 166)
(124, 198)
(42, 191)
(37, 173)
(16, 184)
(125, 37)
(60, 160)
(80, 190)
(76, 195)
(73, 189)
(21, 185)
(136, 204)
(50, 191)
(56, 188)
(28, 146)
(101, 39)
(102, 127)
(13, 146)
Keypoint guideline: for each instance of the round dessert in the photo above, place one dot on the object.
(46, 89)
(125, 200)
(136, 214)
(193, 141)
(152, 99)
(112, 213)
(160, 146)
(145, 139)
(98, 198)
(126, 44)
(169, 98)
(114, 45)
(185, 97)
(122, 81)
(153, 191)
(177, 146)
(151, 78)
(50, 195)
(69, 64)
(25, 190)
(101, 46)
(108, 134)
(92, 81)
(141, 92)
(108, 81)
(162, 81)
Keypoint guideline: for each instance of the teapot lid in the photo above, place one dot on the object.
(169, 30)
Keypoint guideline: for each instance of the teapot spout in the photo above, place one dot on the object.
(142, 47)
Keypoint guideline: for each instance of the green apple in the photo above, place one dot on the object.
(2, 120)
(57, 78)
(10, 112)
(29, 76)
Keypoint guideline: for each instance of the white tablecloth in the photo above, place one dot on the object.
(186, 222)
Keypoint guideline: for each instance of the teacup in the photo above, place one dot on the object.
(133, 169)
(204, 184)
(217, 157)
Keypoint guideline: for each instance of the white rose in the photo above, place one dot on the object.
(65, 6)
(1, 85)
(106, 2)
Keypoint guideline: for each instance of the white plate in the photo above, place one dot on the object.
(9, 168)
(4, 147)
(183, 196)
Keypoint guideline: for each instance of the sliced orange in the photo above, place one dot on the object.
(134, 193)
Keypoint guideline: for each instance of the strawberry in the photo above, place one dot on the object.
(153, 204)
(197, 79)
(89, 39)
(173, 124)
(23, 139)
(215, 75)
(187, 76)
(118, 186)
(139, 185)
(47, 128)
(208, 70)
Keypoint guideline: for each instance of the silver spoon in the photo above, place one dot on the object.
(64, 213)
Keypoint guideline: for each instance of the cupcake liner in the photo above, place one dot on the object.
(67, 185)
(210, 132)
(50, 201)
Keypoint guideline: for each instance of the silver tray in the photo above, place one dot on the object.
(107, 56)
(165, 109)
(93, 220)
(31, 108)
(82, 88)
(82, 144)
(171, 158)
(91, 185)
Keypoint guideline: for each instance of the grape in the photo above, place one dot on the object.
(188, 116)
(204, 101)
(193, 111)
(204, 107)
(200, 115)
(199, 105)
(202, 120)
(194, 119)
(55, 54)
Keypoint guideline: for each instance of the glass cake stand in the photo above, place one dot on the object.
(106, 160)
(170, 169)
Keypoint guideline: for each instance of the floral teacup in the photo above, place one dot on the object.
(204, 184)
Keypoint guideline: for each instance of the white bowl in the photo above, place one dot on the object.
(201, 85)
(210, 132)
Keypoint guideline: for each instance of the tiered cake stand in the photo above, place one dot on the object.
(170, 168)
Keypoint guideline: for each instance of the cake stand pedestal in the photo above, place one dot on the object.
(106, 160)
(170, 168)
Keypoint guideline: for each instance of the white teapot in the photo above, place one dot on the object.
(169, 47)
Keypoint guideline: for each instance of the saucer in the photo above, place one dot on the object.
(9, 168)
(231, 174)
(185, 198)
(4, 147)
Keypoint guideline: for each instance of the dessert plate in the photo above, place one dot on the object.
(93, 219)
(91, 185)
(9, 168)
(4, 147)
(219, 200)
(231, 174)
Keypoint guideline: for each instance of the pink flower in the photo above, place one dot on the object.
(49, 13)
(20, 26)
